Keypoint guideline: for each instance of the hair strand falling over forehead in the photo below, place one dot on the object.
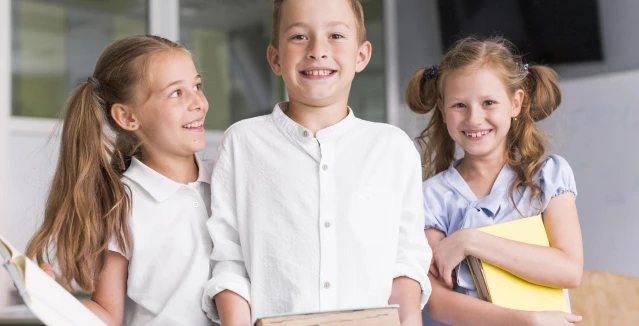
(358, 11)
(88, 204)
(526, 142)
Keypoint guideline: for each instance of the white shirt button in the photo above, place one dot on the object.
(324, 167)
(196, 204)
(327, 285)
(305, 133)
(327, 224)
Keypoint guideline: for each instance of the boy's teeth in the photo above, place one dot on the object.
(318, 72)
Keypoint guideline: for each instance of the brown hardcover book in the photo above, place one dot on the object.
(381, 316)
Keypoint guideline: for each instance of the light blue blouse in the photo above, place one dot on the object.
(451, 205)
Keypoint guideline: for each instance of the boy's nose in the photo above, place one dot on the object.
(317, 56)
(317, 51)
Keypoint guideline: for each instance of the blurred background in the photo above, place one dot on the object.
(48, 47)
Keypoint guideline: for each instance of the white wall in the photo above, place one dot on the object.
(595, 129)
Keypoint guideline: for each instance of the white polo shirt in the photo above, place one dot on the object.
(169, 262)
(302, 223)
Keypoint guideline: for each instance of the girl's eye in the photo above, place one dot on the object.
(489, 102)
(177, 93)
(197, 87)
(337, 36)
(459, 105)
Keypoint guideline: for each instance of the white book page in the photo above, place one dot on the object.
(50, 302)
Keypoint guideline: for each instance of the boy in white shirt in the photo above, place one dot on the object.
(312, 208)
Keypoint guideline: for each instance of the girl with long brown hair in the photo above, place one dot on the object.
(126, 216)
(486, 101)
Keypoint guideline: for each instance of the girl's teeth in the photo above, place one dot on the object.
(194, 125)
(477, 134)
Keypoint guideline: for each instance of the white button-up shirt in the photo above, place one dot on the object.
(169, 260)
(302, 223)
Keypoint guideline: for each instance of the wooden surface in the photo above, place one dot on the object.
(606, 299)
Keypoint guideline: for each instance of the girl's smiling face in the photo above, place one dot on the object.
(478, 110)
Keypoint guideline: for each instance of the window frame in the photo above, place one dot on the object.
(164, 20)
(5, 108)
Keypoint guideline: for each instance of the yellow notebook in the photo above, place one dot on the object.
(507, 290)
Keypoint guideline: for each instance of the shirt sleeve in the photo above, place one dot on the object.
(556, 178)
(413, 252)
(434, 214)
(113, 246)
(228, 267)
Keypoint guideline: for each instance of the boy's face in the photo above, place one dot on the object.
(319, 52)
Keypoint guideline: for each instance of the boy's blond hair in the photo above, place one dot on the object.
(358, 11)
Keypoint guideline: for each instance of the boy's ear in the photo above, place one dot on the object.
(273, 57)
(124, 117)
(363, 56)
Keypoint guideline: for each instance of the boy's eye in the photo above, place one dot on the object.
(337, 36)
(489, 102)
(177, 93)
(298, 37)
(197, 87)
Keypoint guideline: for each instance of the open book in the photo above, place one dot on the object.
(47, 300)
(381, 316)
(507, 290)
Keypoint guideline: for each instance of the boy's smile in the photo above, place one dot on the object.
(318, 73)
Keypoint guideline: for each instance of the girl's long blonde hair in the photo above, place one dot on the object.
(526, 142)
(88, 204)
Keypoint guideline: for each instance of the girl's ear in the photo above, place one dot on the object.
(124, 117)
(518, 100)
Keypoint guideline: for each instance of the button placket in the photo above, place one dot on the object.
(328, 242)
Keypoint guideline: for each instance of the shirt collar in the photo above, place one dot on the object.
(489, 204)
(304, 135)
(159, 186)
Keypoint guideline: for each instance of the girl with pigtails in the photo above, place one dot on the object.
(486, 100)
(125, 218)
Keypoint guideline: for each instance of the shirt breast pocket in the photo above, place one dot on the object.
(370, 216)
